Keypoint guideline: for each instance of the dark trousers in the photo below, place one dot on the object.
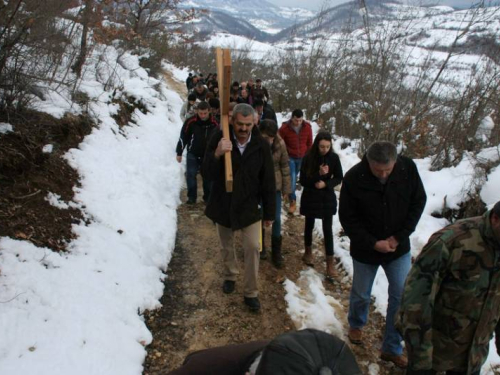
(193, 165)
(327, 233)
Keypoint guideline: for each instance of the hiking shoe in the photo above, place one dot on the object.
(292, 207)
(355, 336)
(400, 360)
(253, 303)
(191, 201)
(228, 286)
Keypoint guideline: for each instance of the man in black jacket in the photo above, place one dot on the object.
(264, 111)
(194, 135)
(381, 201)
(253, 185)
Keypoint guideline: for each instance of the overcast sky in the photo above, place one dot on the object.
(316, 4)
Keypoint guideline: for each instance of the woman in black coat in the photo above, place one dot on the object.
(321, 171)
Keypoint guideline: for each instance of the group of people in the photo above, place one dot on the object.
(446, 306)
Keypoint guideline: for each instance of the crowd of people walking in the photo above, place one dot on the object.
(445, 306)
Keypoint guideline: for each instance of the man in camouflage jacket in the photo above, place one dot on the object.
(451, 302)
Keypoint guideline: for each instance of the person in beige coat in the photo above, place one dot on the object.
(269, 131)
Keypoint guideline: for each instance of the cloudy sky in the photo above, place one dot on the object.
(317, 4)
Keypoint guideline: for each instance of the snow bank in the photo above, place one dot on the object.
(79, 312)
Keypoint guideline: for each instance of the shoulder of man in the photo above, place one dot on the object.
(462, 230)
(189, 121)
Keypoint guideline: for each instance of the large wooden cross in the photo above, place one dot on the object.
(223, 59)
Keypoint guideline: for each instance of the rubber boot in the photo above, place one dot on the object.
(331, 271)
(263, 253)
(308, 256)
(276, 256)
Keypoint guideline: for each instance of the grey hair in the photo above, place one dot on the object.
(244, 109)
(382, 152)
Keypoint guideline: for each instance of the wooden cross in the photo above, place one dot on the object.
(223, 59)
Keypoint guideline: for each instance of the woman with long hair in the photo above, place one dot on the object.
(269, 131)
(320, 172)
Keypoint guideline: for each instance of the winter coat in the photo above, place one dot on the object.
(370, 211)
(195, 134)
(223, 360)
(260, 93)
(296, 144)
(187, 111)
(268, 114)
(253, 183)
(200, 96)
(451, 302)
(248, 100)
(281, 166)
(320, 203)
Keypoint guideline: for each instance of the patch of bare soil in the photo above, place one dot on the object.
(28, 174)
(196, 314)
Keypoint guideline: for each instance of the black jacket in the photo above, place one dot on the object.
(195, 134)
(253, 183)
(370, 211)
(320, 203)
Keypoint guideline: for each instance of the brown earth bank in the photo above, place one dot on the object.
(27, 175)
(196, 314)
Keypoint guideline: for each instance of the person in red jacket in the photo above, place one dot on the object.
(298, 138)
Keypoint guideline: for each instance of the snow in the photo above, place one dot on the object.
(5, 128)
(310, 307)
(47, 149)
(77, 312)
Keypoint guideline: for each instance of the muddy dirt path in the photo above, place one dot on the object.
(196, 314)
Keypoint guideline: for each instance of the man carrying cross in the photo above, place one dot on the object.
(240, 210)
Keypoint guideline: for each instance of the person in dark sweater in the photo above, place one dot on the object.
(320, 172)
(194, 136)
(381, 201)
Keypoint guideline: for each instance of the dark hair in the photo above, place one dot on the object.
(496, 209)
(214, 103)
(203, 106)
(297, 113)
(269, 128)
(235, 83)
(258, 80)
(258, 103)
(382, 152)
(313, 159)
(192, 97)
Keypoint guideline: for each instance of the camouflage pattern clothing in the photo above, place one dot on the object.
(451, 302)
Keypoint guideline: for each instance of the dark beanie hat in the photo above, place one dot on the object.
(307, 352)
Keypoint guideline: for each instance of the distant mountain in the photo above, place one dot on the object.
(255, 19)
(348, 17)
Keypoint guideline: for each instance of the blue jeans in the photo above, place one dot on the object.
(193, 165)
(294, 164)
(276, 232)
(359, 301)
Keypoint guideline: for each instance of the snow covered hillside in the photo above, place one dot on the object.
(79, 312)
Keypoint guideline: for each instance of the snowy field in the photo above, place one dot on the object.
(80, 312)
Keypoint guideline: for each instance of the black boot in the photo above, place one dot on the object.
(263, 253)
(276, 251)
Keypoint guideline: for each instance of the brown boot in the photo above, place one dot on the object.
(331, 271)
(400, 360)
(292, 207)
(308, 256)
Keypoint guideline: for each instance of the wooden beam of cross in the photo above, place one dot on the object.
(223, 59)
